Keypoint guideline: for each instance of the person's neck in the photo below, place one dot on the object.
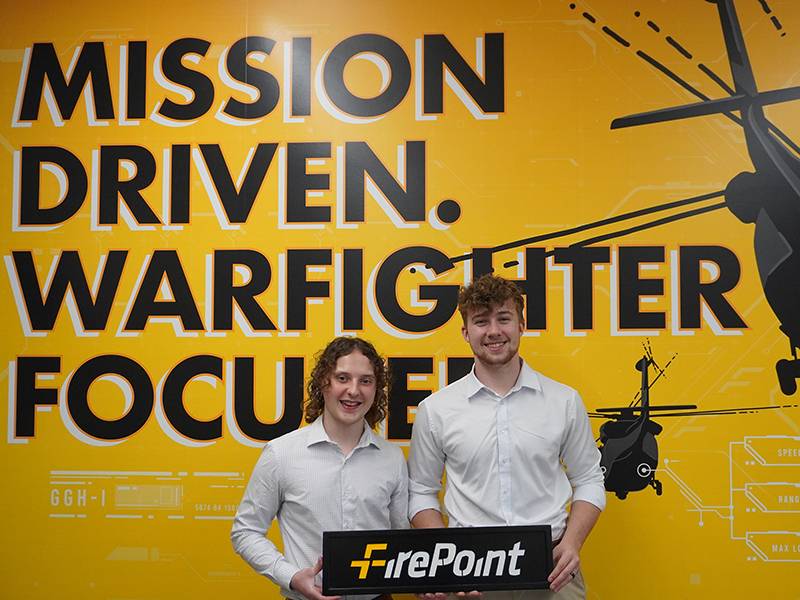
(344, 436)
(499, 378)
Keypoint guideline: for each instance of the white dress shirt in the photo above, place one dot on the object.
(304, 479)
(512, 460)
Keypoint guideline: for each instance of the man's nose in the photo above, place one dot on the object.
(352, 389)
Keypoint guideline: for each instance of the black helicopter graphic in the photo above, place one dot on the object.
(768, 197)
(628, 446)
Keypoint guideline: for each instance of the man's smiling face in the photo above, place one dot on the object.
(493, 333)
(350, 391)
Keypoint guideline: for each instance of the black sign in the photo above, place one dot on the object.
(436, 560)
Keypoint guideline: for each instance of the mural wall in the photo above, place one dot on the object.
(197, 198)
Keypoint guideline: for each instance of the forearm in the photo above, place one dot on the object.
(582, 517)
(566, 555)
(427, 519)
(426, 463)
(263, 556)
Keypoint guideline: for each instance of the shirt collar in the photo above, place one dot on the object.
(527, 378)
(317, 434)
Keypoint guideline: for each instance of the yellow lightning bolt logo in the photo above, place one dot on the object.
(364, 565)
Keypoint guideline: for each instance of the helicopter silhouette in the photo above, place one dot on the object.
(628, 446)
(769, 198)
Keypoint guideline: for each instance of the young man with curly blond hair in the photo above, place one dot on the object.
(335, 474)
(515, 445)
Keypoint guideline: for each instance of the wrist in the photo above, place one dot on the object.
(571, 541)
(288, 576)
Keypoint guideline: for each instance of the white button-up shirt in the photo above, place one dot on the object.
(304, 479)
(518, 459)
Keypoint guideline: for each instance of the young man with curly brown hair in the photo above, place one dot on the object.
(334, 474)
(516, 446)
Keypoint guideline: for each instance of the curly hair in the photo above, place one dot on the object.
(324, 367)
(488, 291)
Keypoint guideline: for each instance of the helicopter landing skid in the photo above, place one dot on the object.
(656, 485)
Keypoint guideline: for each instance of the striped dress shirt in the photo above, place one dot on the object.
(517, 459)
(305, 480)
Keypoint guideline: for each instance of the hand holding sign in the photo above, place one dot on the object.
(304, 582)
(567, 562)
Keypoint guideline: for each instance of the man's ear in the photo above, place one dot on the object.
(464, 333)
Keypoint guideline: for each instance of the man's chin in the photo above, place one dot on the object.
(496, 360)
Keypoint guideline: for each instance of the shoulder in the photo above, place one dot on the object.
(287, 445)
(391, 450)
(555, 390)
(448, 398)
(383, 461)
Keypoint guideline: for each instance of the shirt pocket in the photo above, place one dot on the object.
(536, 442)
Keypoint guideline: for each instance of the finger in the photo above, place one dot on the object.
(563, 562)
(315, 593)
(561, 581)
(563, 570)
(564, 578)
(557, 550)
(556, 572)
(317, 566)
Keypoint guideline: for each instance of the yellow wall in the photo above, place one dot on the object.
(149, 517)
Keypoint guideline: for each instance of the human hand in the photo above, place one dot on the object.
(304, 583)
(567, 562)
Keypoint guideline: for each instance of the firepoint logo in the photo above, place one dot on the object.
(364, 565)
(421, 563)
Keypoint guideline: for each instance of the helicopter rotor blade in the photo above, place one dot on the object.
(727, 411)
(687, 111)
(707, 107)
(595, 224)
(745, 410)
(620, 409)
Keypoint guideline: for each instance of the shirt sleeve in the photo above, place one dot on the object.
(425, 465)
(260, 504)
(398, 503)
(582, 458)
